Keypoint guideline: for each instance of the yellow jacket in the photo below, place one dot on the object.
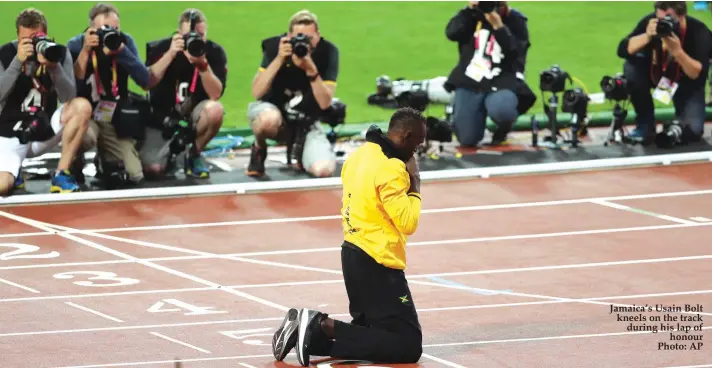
(378, 213)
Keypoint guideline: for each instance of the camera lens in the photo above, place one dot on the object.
(195, 45)
(112, 40)
(50, 50)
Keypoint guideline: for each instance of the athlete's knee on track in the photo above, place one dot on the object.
(7, 181)
(412, 349)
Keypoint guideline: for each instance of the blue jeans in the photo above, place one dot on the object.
(472, 108)
(689, 103)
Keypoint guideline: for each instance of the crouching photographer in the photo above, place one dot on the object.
(492, 40)
(668, 51)
(294, 87)
(36, 73)
(104, 58)
(188, 77)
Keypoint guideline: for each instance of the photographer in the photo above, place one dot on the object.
(104, 57)
(188, 77)
(35, 72)
(493, 40)
(293, 91)
(674, 63)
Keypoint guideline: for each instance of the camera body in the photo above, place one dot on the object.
(35, 127)
(667, 26)
(488, 6)
(300, 44)
(109, 37)
(615, 88)
(194, 43)
(575, 101)
(46, 47)
(553, 80)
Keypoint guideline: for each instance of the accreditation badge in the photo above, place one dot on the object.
(104, 111)
(665, 91)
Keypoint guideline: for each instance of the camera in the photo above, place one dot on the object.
(553, 79)
(437, 130)
(575, 101)
(670, 136)
(46, 47)
(194, 43)
(615, 88)
(33, 128)
(488, 6)
(300, 44)
(109, 37)
(667, 26)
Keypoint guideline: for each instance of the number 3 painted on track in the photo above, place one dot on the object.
(22, 250)
(99, 275)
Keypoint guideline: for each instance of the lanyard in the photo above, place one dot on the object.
(665, 63)
(192, 87)
(114, 77)
(36, 83)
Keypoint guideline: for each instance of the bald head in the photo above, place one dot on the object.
(407, 129)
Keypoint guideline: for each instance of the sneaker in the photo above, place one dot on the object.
(309, 329)
(63, 182)
(258, 156)
(195, 166)
(285, 338)
(19, 182)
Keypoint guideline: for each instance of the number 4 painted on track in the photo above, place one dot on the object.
(194, 310)
(245, 335)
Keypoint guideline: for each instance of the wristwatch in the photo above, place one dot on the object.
(313, 78)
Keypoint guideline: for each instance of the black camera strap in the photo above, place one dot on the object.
(114, 77)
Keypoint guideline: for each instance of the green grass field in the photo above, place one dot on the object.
(400, 39)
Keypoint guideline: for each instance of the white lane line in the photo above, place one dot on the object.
(8, 282)
(180, 342)
(619, 206)
(465, 343)
(545, 338)
(346, 315)
(21, 235)
(86, 309)
(700, 219)
(132, 364)
(47, 227)
(340, 280)
(442, 361)
(426, 211)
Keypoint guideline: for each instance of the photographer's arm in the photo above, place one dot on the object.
(265, 76)
(214, 75)
(157, 70)
(8, 77)
(324, 85)
(460, 27)
(128, 58)
(63, 77)
(639, 38)
(80, 55)
(691, 63)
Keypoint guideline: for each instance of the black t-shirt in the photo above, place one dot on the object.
(291, 82)
(491, 61)
(177, 81)
(34, 91)
(696, 41)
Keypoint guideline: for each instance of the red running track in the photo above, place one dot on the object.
(506, 272)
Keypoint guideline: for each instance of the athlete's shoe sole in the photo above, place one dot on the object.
(285, 338)
(307, 319)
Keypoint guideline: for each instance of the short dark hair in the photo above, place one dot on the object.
(102, 9)
(185, 16)
(31, 18)
(679, 7)
(405, 117)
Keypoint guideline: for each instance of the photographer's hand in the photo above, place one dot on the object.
(306, 63)
(672, 44)
(494, 19)
(91, 40)
(691, 67)
(25, 49)
(651, 30)
(177, 45)
(285, 49)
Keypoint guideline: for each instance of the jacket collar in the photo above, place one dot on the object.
(376, 136)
